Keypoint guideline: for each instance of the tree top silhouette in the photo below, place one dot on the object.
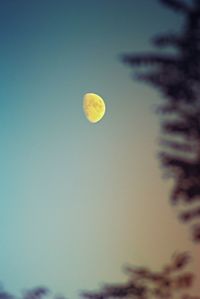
(176, 74)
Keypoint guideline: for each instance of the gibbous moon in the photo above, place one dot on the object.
(94, 107)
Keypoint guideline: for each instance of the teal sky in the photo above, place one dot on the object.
(80, 200)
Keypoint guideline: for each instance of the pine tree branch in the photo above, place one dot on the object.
(149, 59)
(177, 5)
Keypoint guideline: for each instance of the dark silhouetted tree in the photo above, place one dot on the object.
(177, 75)
(172, 281)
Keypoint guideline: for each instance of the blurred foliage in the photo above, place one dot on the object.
(173, 281)
(35, 293)
(176, 74)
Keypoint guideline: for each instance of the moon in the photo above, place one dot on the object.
(94, 107)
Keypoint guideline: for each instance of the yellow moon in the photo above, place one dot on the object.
(94, 107)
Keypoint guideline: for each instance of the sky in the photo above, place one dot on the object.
(78, 201)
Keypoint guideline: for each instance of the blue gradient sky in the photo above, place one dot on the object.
(78, 201)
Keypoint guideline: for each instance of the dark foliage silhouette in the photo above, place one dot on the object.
(5, 295)
(177, 76)
(172, 281)
(35, 293)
